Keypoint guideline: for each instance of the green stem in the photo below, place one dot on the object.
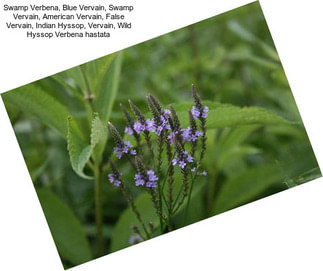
(190, 194)
(160, 207)
(134, 208)
(98, 210)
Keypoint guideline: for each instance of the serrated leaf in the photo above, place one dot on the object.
(67, 232)
(246, 186)
(107, 89)
(79, 151)
(99, 135)
(226, 115)
(35, 101)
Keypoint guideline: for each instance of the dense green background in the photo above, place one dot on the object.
(231, 59)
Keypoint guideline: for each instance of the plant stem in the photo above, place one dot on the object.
(134, 209)
(190, 193)
(160, 206)
(98, 210)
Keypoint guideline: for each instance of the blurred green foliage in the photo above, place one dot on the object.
(252, 152)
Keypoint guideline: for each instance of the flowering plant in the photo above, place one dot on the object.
(156, 138)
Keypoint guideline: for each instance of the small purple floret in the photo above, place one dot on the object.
(204, 112)
(128, 130)
(186, 134)
(174, 162)
(182, 164)
(135, 239)
(159, 130)
(139, 181)
(125, 147)
(114, 179)
(182, 159)
(150, 125)
(150, 182)
(166, 113)
(203, 173)
(139, 127)
(189, 159)
(195, 112)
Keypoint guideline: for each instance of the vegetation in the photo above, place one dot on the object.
(255, 143)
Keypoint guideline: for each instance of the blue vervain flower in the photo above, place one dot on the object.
(122, 148)
(115, 179)
(149, 181)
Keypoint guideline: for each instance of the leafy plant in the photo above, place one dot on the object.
(163, 134)
(86, 136)
(255, 143)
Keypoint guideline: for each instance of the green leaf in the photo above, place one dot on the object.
(99, 135)
(66, 229)
(78, 149)
(231, 146)
(123, 231)
(101, 66)
(107, 89)
(35, 101)
(246, 186)
(226, 115)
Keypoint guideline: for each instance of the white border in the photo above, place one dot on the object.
(281, 232)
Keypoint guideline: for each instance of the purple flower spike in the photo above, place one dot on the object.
(128, 131)
(133, 152)
(174, 162)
